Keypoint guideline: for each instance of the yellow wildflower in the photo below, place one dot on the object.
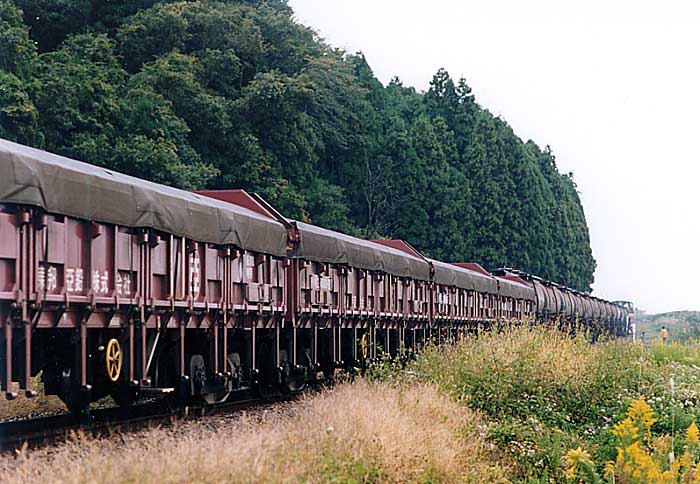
(609, 470)
(577, 455)
(640, 410)
(693, 434)
(686, 460)
(626, 431)
(574, 458)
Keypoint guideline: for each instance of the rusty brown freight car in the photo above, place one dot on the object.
(517, 299)
(115, 285)
(112, 285)
(374, 294)
(348, 298)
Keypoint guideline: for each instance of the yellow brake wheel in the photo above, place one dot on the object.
(364, 345)
(113, 359)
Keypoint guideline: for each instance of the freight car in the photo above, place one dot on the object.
(112, 285)
(555, 302)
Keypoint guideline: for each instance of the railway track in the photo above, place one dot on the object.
(39, 432)
(143, 289)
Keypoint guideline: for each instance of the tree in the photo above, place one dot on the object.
(237, 93)
(18, 114)
(76, 92)
(17, 51)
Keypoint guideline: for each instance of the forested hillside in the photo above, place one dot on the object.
(229, 94)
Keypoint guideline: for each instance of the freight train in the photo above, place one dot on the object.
(112, 285)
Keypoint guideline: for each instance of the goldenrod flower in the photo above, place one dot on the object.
(626, 431)
(640, 460)
(577, 455)
(574, 459)
(609, 470)
(640, 410)
(693, 434)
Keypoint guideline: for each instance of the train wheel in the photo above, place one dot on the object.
(59, 379)
(204, 390)
(123, 397)
(70, 393)
(198, 375)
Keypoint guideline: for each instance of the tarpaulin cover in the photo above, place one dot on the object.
(63, 186)
(515, 290)
(323, 245)
(452, 275)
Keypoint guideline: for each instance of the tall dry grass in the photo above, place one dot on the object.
(358, 432)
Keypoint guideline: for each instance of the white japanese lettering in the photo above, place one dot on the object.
(79, 280)
(52, 279)
(70, 280)
(41, 278)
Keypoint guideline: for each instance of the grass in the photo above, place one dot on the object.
(687, 353)
(546, 392)
(23, 407)
(503, 406)
(359, 432)
(682, 325)
(560, 379)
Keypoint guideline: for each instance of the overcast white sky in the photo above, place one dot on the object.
(612, 86)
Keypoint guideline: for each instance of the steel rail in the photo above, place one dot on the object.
(39, 432)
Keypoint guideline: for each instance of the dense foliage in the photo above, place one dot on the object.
(547, 392)
(201, 94)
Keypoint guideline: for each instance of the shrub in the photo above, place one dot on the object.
(547, 391)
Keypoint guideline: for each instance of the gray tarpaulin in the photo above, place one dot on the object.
(323, 245)
(515, 290)
(452, 275)
(63, 186)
